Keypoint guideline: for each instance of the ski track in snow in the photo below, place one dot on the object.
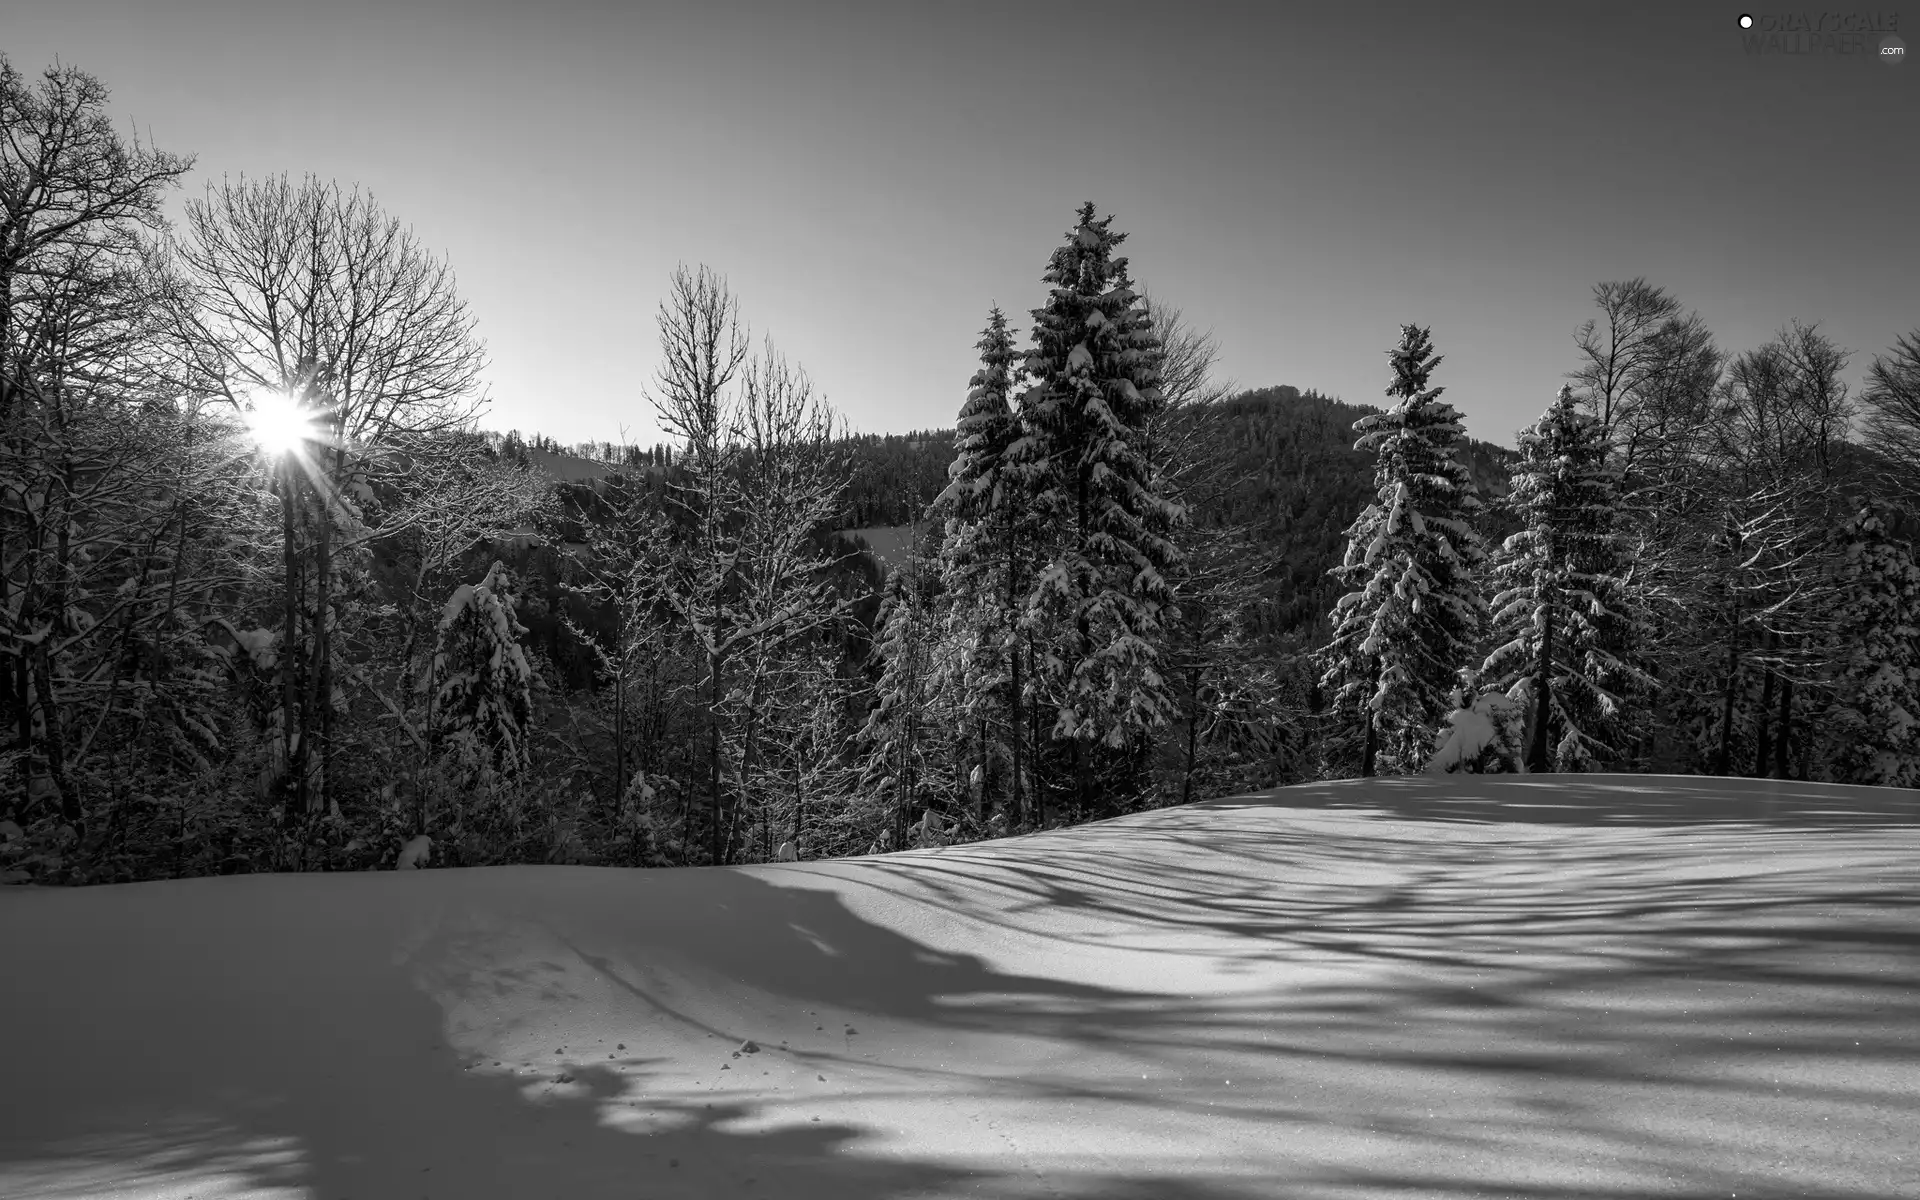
(1580, 987)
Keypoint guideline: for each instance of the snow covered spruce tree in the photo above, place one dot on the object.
(986, 529)
(1485, 733)
(479, 683)
(907, 727)
(1561, 612)
(1103, 589)
(1414, 612)
(1875, 725)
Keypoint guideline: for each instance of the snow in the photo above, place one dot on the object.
(1471, 731)
(418, 852)
(1599, 985)
(258, 643)
(1488, 729)
(456, 604)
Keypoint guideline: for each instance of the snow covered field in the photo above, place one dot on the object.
(1600, 986)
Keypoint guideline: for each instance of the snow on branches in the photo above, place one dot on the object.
(1414, 612)
(1560, 609)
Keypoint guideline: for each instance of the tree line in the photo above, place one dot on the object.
(269, 599)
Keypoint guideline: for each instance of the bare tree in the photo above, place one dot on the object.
(67, 183)
(1783, 407)
(702, 349)
(1206, 649)
(793, 479)
(1188, 357)
(74, 199)
(314, 294)
(1892, 403)
(1647, 368)
(1767, 498)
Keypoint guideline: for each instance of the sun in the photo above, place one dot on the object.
(279, 425)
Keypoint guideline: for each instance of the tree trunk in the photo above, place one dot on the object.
(1370, 741)
(1017, 730)
(19, 695)
(620, 733)
(909, 773)
(1193, 745)
(1762, 731)
(714, 835)
(13, 685)
(1039, 783)
(56, 741)
(1723, 757)
(1080, 777)
(982, 801)
(1783, 734)
(1806, 747)
(1543, 700)
(314, 724)
(60, 516)
(293, 784)
(749, 754)
(180, 547)
(1194, 673)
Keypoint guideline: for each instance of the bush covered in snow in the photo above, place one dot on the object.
(1483, 737)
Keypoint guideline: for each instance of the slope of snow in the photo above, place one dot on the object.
(1601, 986)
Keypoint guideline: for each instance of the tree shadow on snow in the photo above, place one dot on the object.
(1408, 1007)
(1627, 800)
(1621, 983)
(313, 1035)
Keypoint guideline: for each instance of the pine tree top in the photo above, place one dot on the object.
(1413, 363)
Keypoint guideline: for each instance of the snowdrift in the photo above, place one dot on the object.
(1600, 986)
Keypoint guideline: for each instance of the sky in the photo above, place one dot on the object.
(1586, 985)
(1300, 179)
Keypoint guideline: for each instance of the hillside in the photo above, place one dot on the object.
(1296, 482)
(1595, 986)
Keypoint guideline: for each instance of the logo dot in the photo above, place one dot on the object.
(1746, 22)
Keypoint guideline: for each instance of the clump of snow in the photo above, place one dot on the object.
(1481, 738)
(259, 643)
(930, 830)
(416, 853)
(456, 604)
(786, 853)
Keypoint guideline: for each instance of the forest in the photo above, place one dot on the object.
(271, 598)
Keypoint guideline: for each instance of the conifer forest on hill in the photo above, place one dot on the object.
(272, 600)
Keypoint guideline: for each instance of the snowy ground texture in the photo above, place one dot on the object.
(1555, 987)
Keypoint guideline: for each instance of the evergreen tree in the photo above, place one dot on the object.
(479, 682)
(1413, 612)
(902, 729)
(1485, 733)
(985, 519)
(1104, 587)
(1877, 720)
(1560, 612)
